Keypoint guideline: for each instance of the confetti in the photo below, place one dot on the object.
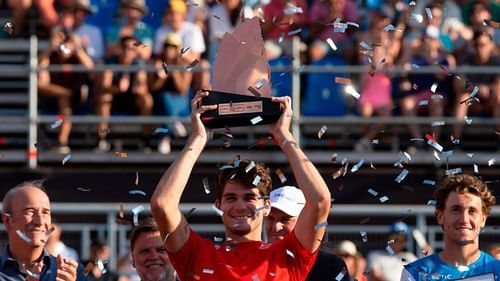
(431, 203)
(339, 26)
(364, 237)
(260, 83)
(350, 90)
(320, 225)
(120, 154)
(429, 182)
(383, 199)
(136, 178)
(372, 192)
(136, 212)
(217, 17)
(280, 39)
(470, 155)
(322, 131)
(417, 17)
(280, 175)
(436, 155)
(334, 157)
(412, 3)
(375, 141)
(428, 12)
(66, 159)
(84, 189)
(494, 24)
(23, 236)
(414, 66)
(65, 50)
(331, 44)
(290, 10)
(184, 50)
(290, 253)
(434, 87)
(256, 120)
(491, 162)
(391, 27)
(8, 27)
(401, 176)
(208, 271)
(189, 213)
(294, 32)
(435, 145)
(192, 65)
(342, 80)
(137, 192)
(341, 274)
(218, 211)
(351, 23)
(447, 154)
(206, 187)
(165, 68)
(437, 123)
(357, 166)
(468, 120)
(453, 171)
(254, 91)
(476, 169)
(371, 166)
(256, 180)
(218, 239)
(390, 250)
(57, 123)
(365, 45)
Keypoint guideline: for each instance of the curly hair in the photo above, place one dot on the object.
(244, 172)
(464, 184)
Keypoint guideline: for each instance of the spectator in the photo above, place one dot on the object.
(65, 48)
(123, 91)
(494, 250)
(278, 21)
(387, 264)
(57, 247)
(349, 252)
(286, 204)
(171, 90)
(488, 84)
(420, 89)
(149, 254)
(241, 197)
(27, 220)
(463, 203)
(131, 26)
(98, 269)
(191, 37)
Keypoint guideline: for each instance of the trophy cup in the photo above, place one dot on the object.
(241, 86)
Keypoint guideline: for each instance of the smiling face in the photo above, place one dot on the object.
(150, 258)
(462, 219)
(30, 214)
(241, 218)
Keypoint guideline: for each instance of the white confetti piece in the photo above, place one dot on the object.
(455, 171)
(365, 45)
(371, 166)
(463, 268)
(322, 131)
(391, 27)
(468, 120)
(384, 199)
(437, 97)
(250, 166)
(436, 155)
(412, 3)
(84, 189)
(282, 36)
(401, 176)
(218, 211)
(415, 66)
(66, 159)
(358, 165)
(474, 92)
(281, 175)
(32, 275)
(208, 271)
(331, 44)
(434, 87)
(260, 83)
(64, 49)
(256, 180)
(260, 209)
(375, 141)
(341, 274)
(491, 162)
(416, 139)
(320, 225)
(137, 192)
(294, 32)
(57, 123)
(476, 169)
(160, 131)
(206, 186)
(290, 253)
(429, 182)
(438, 123)
(218, 239)
(350, 90)
(470, 155)
(351, 23)
(431, 202)
(339, 26)
(256, 120)
(390, 250)
(423, 102)
(447, 154)
(8, 27)
(364, 237)
(136, 211)
(372, 192)
(417, 17)
(435, 145)
(428, 12)
(290, 10)
(23, 236)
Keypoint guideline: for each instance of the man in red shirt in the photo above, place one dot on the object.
(242, 197)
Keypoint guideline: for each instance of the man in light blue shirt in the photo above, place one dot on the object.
(463, 203)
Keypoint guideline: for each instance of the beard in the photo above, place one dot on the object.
(168, 275)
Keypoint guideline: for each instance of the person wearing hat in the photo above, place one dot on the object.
(354, 260)
(131, 25)
(387, 264)
(91, 35)
(171, 88)
(463, 203)
(287, 203)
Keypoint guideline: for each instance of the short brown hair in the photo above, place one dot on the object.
(237, 172)
(464, 184)
(146, 225)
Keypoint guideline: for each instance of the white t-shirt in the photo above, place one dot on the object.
(390, 266)
(190, 34)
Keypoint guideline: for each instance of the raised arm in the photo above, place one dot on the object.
(308, 179)
(166, 198)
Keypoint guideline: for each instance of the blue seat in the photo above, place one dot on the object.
(281, 81)
(324, 97)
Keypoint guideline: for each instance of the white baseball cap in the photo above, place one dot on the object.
(288, 199)
(347, 247)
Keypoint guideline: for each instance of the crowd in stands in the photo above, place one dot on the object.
(381, 35)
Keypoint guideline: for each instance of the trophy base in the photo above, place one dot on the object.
(235, 110)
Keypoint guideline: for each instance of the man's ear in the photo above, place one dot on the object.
(6, 218)
(217, 203)
(267, 210)
(439, 217)
(133, 260)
